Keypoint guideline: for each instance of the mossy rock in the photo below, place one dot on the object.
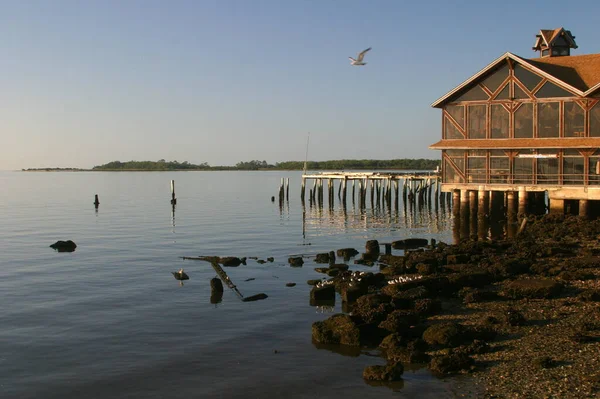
(399, 321)
(296, 261)
(323, 293)
(392, 260)
(346, 253)
(444, 334)
(322, 258)
(338, 329)
(451, 363)
(532, 289)
(389, 372)
(372, 308)
(230, 261)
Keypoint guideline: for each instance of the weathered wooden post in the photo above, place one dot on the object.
(96, 201)
(303, 188)
(173, 199)
(287, 188)
(344, 183)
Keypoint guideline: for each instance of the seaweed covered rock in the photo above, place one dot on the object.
(451, 363)
(399, 321)
(389, 372)
(338, 329)
(444, 334)
(230, 261)
(532, 288)
(322, 258)
(346, 253)
(295, 261)
(322, 292)
(372, 308)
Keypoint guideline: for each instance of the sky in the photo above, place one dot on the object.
(83, 83)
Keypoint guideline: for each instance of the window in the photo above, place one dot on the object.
(458, 114)
(547, 168)
(529, 79)
(548, 119)
(524, 121)
(474, 94)
(451, 175)
(520, 94)
(574, 117)
(523, 170)
(477, 116)
(499, 167)
(476, 166)
(493, 81)
(572, 167)
(594, 168)
(595, 121)
(545, 52)
(549, 90)
(500, 119)
(504, 94)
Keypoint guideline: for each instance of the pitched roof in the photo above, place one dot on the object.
(547, 36)
(499, 144)
(579, 74)
(580, 71)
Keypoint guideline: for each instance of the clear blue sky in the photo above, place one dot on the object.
(83, 83)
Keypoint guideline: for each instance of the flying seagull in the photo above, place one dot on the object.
(359, 59)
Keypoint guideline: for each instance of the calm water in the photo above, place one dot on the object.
(110, 321)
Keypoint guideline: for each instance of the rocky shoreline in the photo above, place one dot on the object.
(521, 316)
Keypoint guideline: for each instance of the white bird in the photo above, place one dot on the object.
(359, 59)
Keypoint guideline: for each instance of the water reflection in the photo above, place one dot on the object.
(395, 386)
(344, 350)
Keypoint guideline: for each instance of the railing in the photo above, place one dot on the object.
(577, 179)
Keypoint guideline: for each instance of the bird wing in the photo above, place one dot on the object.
(351, 59)
(361, 55)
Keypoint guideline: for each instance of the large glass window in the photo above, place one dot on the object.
(595, 121)
(572, 167)
(547, 167)
(499, 167)
(476, 166)
(475, 94)
(500, 119)
(549, 90)
(523, 170)
(456, 160)
(477, 116)
(548, 119)
(458, 114)
(524, 121)
(529, 79)
(574, 118)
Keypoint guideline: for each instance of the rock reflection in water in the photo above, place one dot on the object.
(395, 386)
(344, 350)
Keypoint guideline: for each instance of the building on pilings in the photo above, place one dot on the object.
(526, 126)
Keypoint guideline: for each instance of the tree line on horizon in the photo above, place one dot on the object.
(342, 164)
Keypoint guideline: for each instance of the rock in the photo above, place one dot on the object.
(322, 258)
(339, 266)
(388, 372)
(321, 270)
(372, 308)
(216, 285)
(64, 246)
(256, 297)
(295, 261)
(514, 318)
(332, 272)
(290, 284)
(393, 341)
(410, 243)
(576, 275)
(591, 295)
(427, 306)
(532, 288)
(216, 297)
(426, 269)
(338, 329)
(399, 321)
(544, 362)
(392, 260)
(323, 293)
(230, 261)
(451, 363)
(261, 261)
(313, 282)
(270, 259)
(351, 293)
(457, 259)
(347, 253)
(406, 355)
(372, 247)
(444, 334)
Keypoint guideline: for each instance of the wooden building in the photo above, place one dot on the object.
(522, 126)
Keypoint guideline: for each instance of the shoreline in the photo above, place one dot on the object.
(520, 317)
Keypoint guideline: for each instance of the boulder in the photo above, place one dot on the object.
(322, 258)
(372, 247)
(444, 334)
(230, 261)
(399, 321)
(347, 253)
(295, 261)
(216, 285)
(372, 308)
(390, 372)
(338, 329)
(326, 292)
(410, 243)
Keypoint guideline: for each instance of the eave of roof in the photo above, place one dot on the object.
(500, 144)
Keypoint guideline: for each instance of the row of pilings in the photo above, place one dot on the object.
(385, 190)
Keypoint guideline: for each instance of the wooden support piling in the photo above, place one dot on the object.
(173, 199)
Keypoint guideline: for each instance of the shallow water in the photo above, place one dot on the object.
(109, 320)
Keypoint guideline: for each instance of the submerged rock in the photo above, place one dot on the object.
(296, 261)
(390, 372)
(256, 297)
(64, 246)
